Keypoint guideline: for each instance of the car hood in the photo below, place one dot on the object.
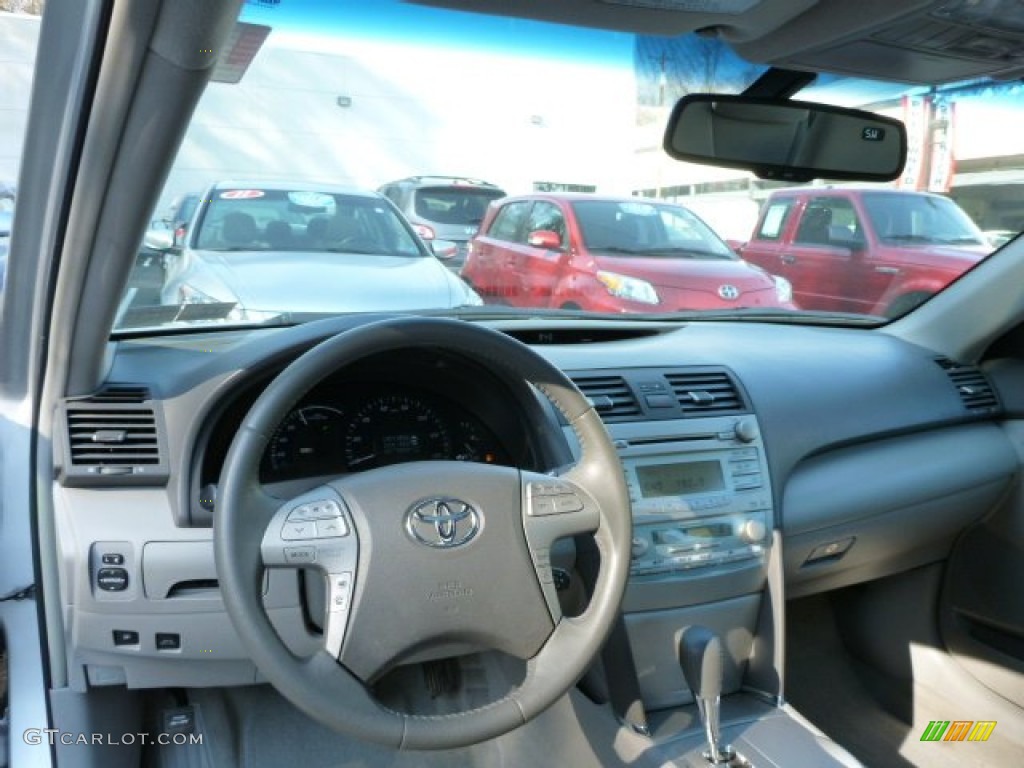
(690, 274)
(332, 282)
(951, 257)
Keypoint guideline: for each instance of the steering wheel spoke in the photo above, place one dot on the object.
(553, 508)
(340, 587)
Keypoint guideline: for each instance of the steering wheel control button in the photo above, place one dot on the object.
(315, 510)
(332, 528)
(553, 499)
(112, 579)
(562, 579)
(568, 502)
(168, 641)
(300, 555)
(298, 531)
(542, 505)
(340, 591)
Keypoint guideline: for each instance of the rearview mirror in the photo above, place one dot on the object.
(787, 140)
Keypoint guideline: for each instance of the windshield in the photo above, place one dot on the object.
(308, 220)
(646, 229)
(904, 218)
(566, 125)
(454, 205)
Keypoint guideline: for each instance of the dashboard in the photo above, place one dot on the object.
(860, 454)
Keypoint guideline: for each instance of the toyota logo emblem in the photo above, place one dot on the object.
(442, 523)
(729, 292)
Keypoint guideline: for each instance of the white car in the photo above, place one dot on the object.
(257, 250)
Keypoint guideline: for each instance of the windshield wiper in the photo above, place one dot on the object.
(674, 250)
(908, 238)
(233, 249)
(616, 249)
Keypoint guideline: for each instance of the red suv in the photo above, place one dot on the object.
(869, 251)
(610, 254)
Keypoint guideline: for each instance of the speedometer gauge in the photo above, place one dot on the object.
(389, 429)
(309, 442)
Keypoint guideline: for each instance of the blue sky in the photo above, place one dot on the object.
(396, 21)
(401, 22)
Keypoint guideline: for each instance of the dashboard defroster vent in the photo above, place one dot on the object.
(114, 437)
(121, 394)
(974, 389)
(706, 393)
(611, 396)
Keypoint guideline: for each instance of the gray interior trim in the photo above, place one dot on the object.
(956, 323)
(30, 334)
(847, 485)
(148, 101)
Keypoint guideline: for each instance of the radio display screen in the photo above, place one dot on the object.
(679, 479)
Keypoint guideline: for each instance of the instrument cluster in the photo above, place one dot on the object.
(334, 433)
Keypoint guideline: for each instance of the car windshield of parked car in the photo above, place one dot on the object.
(281, 220)
(646, 229)
(314, 96)
(926, 219)
(454, 205)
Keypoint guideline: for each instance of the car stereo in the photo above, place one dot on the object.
(700, 499)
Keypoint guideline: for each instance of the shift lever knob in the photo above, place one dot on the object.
(700, 656)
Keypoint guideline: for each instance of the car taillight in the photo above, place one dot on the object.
(179, 236)
(424, 231)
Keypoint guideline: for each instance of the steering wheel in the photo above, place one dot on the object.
(424, 556)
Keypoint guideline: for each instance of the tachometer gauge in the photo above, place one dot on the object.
(390, 429)
(309, 442)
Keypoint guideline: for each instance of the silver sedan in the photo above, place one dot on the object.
(256, 250)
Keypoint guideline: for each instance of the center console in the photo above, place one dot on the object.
(704, 564)
(702, 536)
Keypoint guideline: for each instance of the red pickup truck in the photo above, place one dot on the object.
(863, 250)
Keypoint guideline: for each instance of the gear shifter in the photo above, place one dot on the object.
(700, 655)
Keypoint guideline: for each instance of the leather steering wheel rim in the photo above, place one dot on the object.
(329, 691)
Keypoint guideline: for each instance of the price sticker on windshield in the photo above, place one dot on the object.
(873, 134)
(241, 194)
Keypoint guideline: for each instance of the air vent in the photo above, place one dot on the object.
(108, 439)
(706, 393)
(974, 389)
(611, 396)
(121, 394)
(114, 438)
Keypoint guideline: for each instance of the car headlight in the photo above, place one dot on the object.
(630, 288)
(783, 289)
